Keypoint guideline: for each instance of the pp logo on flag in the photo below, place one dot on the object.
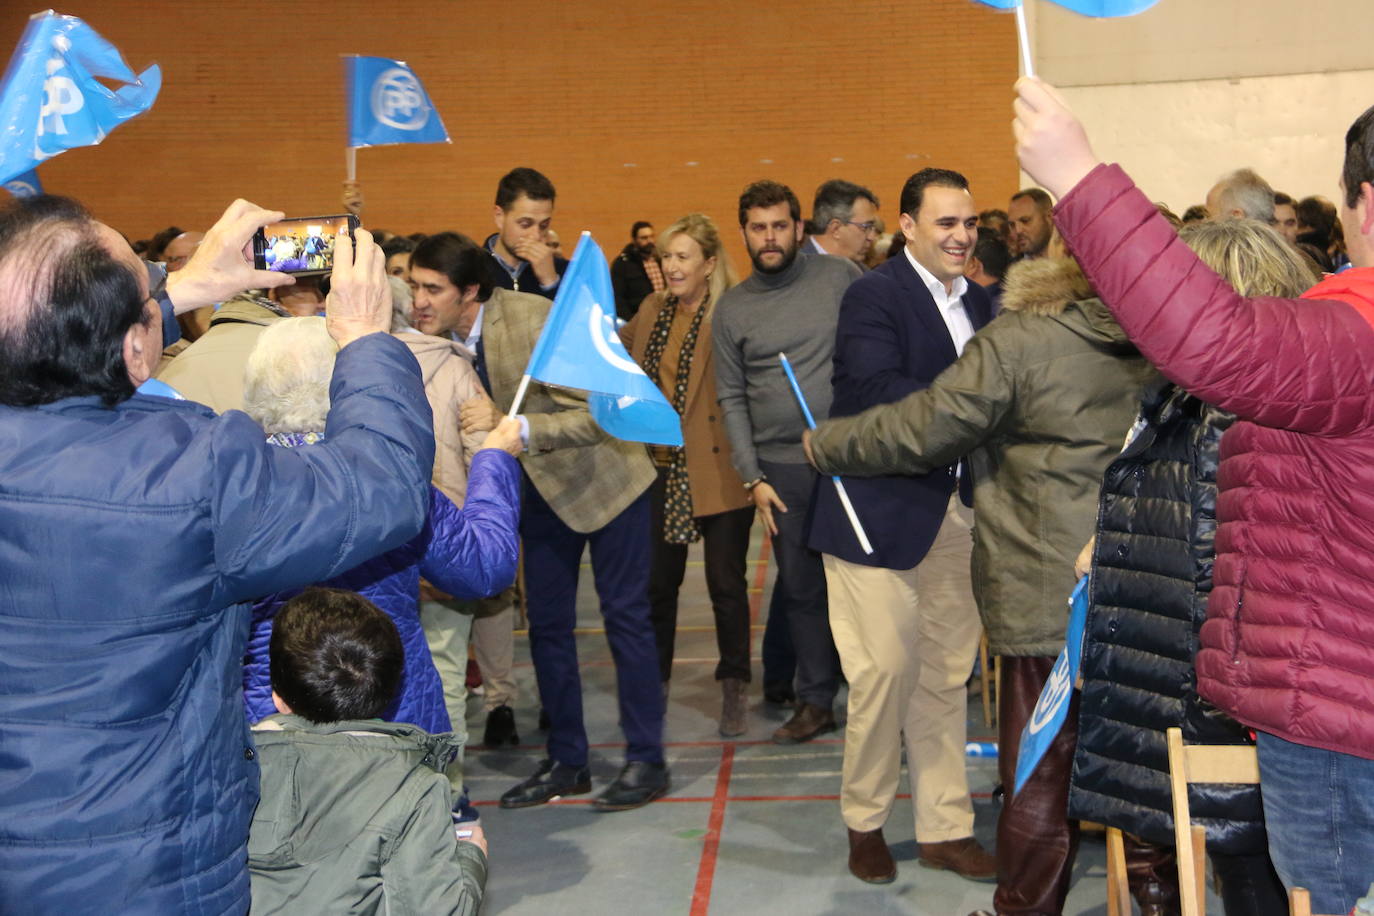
(602, 329)
(1052, 699)
(398, 101)
(20, 187)
(61, 97)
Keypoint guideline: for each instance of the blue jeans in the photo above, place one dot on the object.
(1319, 811)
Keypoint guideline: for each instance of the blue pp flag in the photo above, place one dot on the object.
(387, 104)
(50, 99)
(1101, 9)
(1053, 706)
(25, 185)
(579, 348)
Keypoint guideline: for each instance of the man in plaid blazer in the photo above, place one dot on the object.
(581, 487)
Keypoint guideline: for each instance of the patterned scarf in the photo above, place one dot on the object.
(679, 527)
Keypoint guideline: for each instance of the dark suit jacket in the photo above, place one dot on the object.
(891, 341)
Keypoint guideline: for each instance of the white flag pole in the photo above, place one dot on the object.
(519, 395)
(351, 162)
(1024, 39)
(839, 484)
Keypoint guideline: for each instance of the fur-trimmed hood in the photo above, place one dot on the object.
(1057, 288)
(1044, 286)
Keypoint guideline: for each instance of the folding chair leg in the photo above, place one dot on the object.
(1199, 838)
(1118, 888)
(986, 679)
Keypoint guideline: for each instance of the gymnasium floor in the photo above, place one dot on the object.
(749, 827)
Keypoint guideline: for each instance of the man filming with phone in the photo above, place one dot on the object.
(137, 529)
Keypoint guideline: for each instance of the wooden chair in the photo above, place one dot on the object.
(1118, 889)
(1299, 902)
(1201, 763)
(986, 679)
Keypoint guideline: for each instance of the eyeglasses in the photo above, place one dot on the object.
(865, 228)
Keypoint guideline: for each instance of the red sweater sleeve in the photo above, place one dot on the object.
(1294, 364)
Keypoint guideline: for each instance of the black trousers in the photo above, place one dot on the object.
(801, 580)
(725, 537)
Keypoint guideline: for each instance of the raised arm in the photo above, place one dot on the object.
(472, 551)
(287, 517)
(1305, 365)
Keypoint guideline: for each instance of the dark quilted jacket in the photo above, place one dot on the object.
(1152, 573)
(1290, 625)
(469, 553)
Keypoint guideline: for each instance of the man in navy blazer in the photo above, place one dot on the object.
(903, 617)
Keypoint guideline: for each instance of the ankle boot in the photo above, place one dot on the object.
(1152, 875)
(734, 708)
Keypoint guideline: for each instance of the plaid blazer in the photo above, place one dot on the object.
(587, 477)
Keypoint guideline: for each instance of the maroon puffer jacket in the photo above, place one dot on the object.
(1288, 646)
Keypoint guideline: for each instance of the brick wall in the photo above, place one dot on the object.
(649, 114)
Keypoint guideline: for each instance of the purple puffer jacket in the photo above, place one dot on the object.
(469, 552)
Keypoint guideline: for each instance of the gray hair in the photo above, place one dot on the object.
(835, 200)
(1246, 191)
(286, 380)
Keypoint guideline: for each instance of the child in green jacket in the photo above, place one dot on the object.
(356, 813)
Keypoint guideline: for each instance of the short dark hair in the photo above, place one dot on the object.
(1042, 199)
(1282, 200)
(640, 224)
(158, 244)
(1359, 156)
(913, 192)
(1319, 216)
(335, 655)
(992, 252)
(397, 244)
(524, 181)
(71, 303)
(835, 200)
(457, 257)
(767, 194)
(1194, 213)
(987, 215)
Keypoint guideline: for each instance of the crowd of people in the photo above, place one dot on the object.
(257, 524)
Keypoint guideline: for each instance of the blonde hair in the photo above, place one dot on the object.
(1251, 256)
(699, 228)
(286, 380)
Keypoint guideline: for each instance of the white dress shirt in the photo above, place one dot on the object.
(950, 304)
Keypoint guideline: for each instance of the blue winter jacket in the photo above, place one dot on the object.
(131, 539)
(469, 552)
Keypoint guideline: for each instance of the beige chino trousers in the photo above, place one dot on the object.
(907, 640)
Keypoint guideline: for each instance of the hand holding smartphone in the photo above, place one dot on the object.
(302, 245)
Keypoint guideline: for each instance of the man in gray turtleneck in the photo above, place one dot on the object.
(789, 305)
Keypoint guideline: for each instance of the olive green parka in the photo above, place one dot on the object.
(1039, 403)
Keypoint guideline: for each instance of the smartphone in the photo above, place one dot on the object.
(302, 245)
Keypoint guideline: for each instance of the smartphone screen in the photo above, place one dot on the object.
(302, 245)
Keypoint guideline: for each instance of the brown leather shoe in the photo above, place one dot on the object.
(963, 857)
(806, 723)
(869, 858)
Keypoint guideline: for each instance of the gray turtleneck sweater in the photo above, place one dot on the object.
(792, 312)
